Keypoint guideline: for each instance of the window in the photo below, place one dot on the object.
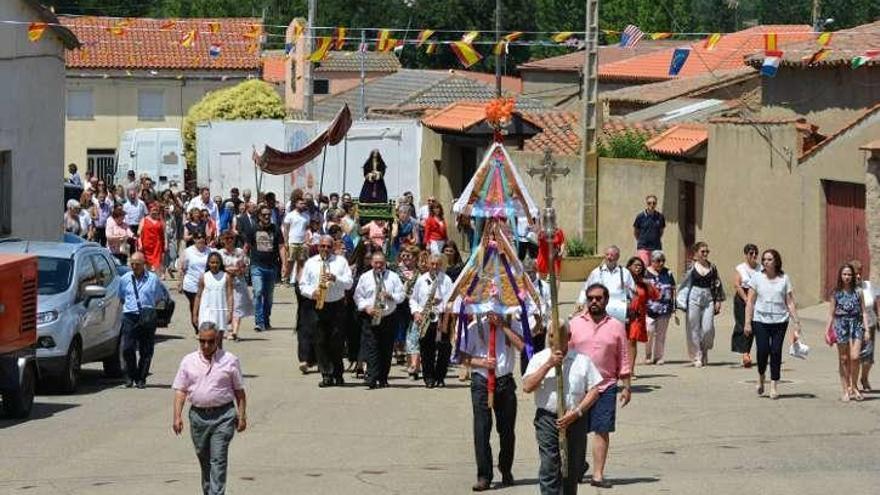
(5, 193)
(151, 104)
(85, 276)
(321, 86)
(105, 270)
(101, 163)
(80, 104)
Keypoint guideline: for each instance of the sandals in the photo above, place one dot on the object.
(855, 395)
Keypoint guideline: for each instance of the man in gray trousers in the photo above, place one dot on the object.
(211, 380)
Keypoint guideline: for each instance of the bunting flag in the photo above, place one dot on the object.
(499, 48)
(168, 25)
(509, 37)
(770, 43)
(711, 41)
(824, 39)
(431, 49)
(214, 50)
(820, 55)
(253, 47)
(465, 53)
(562, 37)
(631, 36)
(298, 30)
(214, 26)
(288, 47)
(864, 59)
(36, 30)
(661, 36)
(254, 31)
(470, 37)
(189, 38)
(340, 38)
(610, 32)
(772, 59)
(119, 29)
(363, 47)
(384, 35)
(320, 53)
(423, 37)
(679, 57)
(390, 44)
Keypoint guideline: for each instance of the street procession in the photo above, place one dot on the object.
(399, 247)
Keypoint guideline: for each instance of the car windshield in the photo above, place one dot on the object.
(53, 275)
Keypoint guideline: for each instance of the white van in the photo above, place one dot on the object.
(156, 152)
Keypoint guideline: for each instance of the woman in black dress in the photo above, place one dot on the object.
(373, 190)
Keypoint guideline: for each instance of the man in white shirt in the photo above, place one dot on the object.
(203, 202)
(539, 316)
(582, 380)
(294, 227)
(377, 295)
(327, 276)
(507, 342)
(616, 279)
(435, 346)
(135, 209)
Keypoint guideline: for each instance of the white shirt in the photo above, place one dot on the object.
(580, 374)
(85, 221)
(478, 346)
(211, 206)
(134, 212)
(869, 297)
(365, 292)
(770, 296)
(422, 289)
(337, 266)
(194, 264)
(618, 295)
(746, 273)
(295, 226)
(424, 213)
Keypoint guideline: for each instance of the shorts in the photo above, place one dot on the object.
(602, 416)
(297, 252)
(848, 328)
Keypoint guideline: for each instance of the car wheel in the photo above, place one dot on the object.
(70, 378)
(114, 366)
(18, 404)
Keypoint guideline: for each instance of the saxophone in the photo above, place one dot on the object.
(379, 302)
(431, 315)
(410, 283)
(322, 286)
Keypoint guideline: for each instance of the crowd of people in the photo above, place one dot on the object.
(375, 291)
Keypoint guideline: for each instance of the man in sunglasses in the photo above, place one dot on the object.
(264, 245)
(602, 338)
(211, 380)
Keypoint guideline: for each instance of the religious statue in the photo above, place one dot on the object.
(373, 190)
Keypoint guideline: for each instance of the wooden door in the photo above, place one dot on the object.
(845, 234)
(687, 224)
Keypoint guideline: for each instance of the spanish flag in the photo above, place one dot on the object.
(563, 36)
(214, 26)
(340, 38)
(661, 36)
(36, 30)
(189, 38)
(119, 28)
(323, 47)
(824, 39)
(383, 40)
(465, 53)
(298, 30)
(711, 41)
(391, 44)
(431, 49)
(470, 37)
(168, 25)
(424, 35)
(254, 31)
(820, 55)
(770, 42)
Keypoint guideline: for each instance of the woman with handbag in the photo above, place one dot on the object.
(769, 307)
(741, 343)
(846, 328)
(700, 296)
(636, 312)
(866, 357)
(660, 310)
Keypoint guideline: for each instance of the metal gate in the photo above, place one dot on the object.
(102, 164)
(845, 234)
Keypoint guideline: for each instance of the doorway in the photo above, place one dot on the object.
(845, 234)
(687, 221)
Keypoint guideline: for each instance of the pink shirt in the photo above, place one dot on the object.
(606, 344)
(116, 235)
(376, 234)
(209, 384)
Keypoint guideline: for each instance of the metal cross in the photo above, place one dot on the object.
(548, 171)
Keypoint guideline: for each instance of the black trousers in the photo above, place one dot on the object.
(352, 326)
(769, 338)
(101, 236)
(138, 343)
(378, 345)
(550, 479)
(191, 297)
(739, 342)
(328, 339)
(435, 355)
(305, 329)
(505, 416)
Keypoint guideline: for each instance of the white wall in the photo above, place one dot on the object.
(32, 123)
(224, 150)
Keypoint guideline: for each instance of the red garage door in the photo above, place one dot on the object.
(845, 236)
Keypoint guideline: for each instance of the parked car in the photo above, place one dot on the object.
(156, 152)
(79, 312)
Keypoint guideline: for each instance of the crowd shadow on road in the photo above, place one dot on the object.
(798, 396)
(634, 480)
(644, 388)
(658, 375)
(162, 337)
(41, 410)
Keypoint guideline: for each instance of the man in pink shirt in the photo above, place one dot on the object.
(603, 338)
(211, 380)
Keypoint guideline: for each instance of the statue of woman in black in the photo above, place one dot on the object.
(373, 190)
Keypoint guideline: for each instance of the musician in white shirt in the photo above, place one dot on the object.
(337, 279)
(435, 346)
(616, 279)
(377, 295)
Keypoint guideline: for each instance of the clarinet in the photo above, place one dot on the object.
(379, 302)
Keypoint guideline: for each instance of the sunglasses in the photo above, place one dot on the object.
(208, 341)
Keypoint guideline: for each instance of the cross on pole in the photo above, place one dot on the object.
(548, 171)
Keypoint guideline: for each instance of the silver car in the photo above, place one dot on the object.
(79, 313)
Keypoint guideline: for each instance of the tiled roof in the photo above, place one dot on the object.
(680, 140)
(461, 116)
(67, 37)
(144, 44)
(274, 64)
(617, 125)
(574, 61)
(729, 53)
(351, 62)
(509, 84)
(456, 88)
(845, 45)
(840, 132)
(560, 133)
(658, 92)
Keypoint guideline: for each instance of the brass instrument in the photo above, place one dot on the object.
(379, 305)
(322, 285)
(410, 283)
(429, 315)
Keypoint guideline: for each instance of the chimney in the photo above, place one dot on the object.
(294, 67)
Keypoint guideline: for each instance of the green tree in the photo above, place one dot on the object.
(245, 101)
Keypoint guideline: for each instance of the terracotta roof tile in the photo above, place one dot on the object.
(274, 70)
(145, 45)
(574, 61)
(680, 140)
(729, 53)
(840, 133)
(617, 125)
(560, 133)
(845, 45)
(658, 92)
(461, 116)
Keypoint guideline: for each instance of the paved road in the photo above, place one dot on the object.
(687, 431)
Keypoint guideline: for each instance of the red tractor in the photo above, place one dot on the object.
(18, 333)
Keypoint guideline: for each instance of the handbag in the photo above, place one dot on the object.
(830, 335)
(683, 294)
(147, 318)
(799, 349)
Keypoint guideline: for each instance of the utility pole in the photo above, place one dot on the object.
(362, 103)
(308, 91)
(499, 55)
(815, 15)
(589, 121)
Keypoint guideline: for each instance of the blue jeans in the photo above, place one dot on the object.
(263, 280)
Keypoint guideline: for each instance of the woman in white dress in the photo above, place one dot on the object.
(214, 302)
(236, 263)
(193, 264)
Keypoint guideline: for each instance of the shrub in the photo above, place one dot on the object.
(628, 144)
(577, 248)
